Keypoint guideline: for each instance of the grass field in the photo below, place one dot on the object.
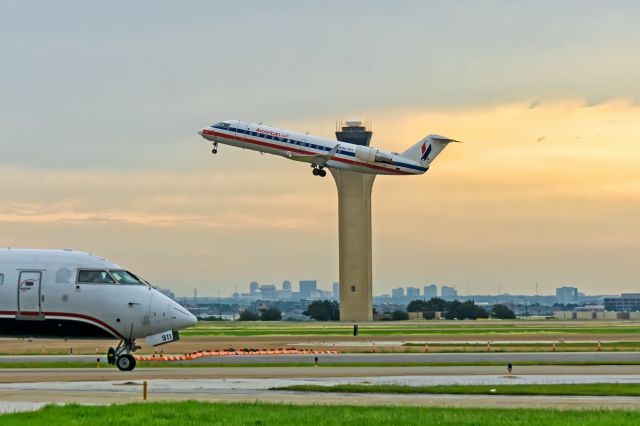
(484, 328)
(594, 389)
(195, 413)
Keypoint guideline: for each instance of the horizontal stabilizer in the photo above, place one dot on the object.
(444, 139)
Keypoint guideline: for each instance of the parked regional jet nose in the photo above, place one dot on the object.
(181, 317)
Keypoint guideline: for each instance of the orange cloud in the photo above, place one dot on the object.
(550, 193)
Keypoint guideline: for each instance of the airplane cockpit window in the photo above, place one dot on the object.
(125, 277)
(93, 276)
(222, 125)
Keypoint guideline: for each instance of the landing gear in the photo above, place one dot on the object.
(126, 362)
(215, 148)
(317, 171)
(121, 355)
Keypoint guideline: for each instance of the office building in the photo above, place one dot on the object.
(397, 293)
(286, 285)
(430, 291)
(448, 293)
(413, 292)
(268, 291)
(566, 295)
(627, 302)
(306, 287)
(253, 287)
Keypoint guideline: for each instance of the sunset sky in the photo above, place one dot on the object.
(101, 102)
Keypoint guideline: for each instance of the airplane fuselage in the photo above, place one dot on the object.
(311, 149)
(70, 294)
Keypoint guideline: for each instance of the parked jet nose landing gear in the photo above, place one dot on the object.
(121, 355)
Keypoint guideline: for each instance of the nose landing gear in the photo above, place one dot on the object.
(121, 355)
(318, 171)
(215, 148)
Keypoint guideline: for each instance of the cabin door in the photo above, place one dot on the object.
(29, 306)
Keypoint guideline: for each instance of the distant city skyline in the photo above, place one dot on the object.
(309, 289)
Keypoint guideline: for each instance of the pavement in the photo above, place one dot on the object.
(31, 396)
(28, 389)
(363, 358)
(27, 375)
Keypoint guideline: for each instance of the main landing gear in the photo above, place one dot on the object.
(318, 171)
(121, 355)
(215, 148)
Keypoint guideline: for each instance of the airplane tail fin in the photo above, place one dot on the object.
(427, 149)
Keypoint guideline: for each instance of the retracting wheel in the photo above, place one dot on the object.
(126, 362)
(215, 148)
(318, 171)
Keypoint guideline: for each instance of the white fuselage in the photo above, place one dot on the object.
(304, 147)
(47, 293)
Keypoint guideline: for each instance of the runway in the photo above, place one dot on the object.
(365, 358)
(128, 388)
(15, 375)
(30, 388)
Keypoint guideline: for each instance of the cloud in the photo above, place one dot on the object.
(504, 207)
(153, 75)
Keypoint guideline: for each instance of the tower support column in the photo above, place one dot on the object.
(354, 228)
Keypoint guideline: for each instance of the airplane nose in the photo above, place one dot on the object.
(201, 133)
(182, 318)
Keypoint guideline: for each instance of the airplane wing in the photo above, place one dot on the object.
(319, 160)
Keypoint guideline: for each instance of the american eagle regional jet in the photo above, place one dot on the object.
(322, 152)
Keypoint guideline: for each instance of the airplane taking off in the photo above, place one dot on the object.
(70, 294)
(322, 152)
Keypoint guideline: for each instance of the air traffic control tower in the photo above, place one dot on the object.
(354, 228)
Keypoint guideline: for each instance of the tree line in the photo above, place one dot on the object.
(327, 310)
(456, 309)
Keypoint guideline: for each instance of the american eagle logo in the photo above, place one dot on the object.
(425, 152)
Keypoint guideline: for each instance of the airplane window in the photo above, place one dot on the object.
(94, 277)
(125, 277)
(1, 279)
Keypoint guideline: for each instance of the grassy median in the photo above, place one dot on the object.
(591, 389)
(197, 413)
(427, 328)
